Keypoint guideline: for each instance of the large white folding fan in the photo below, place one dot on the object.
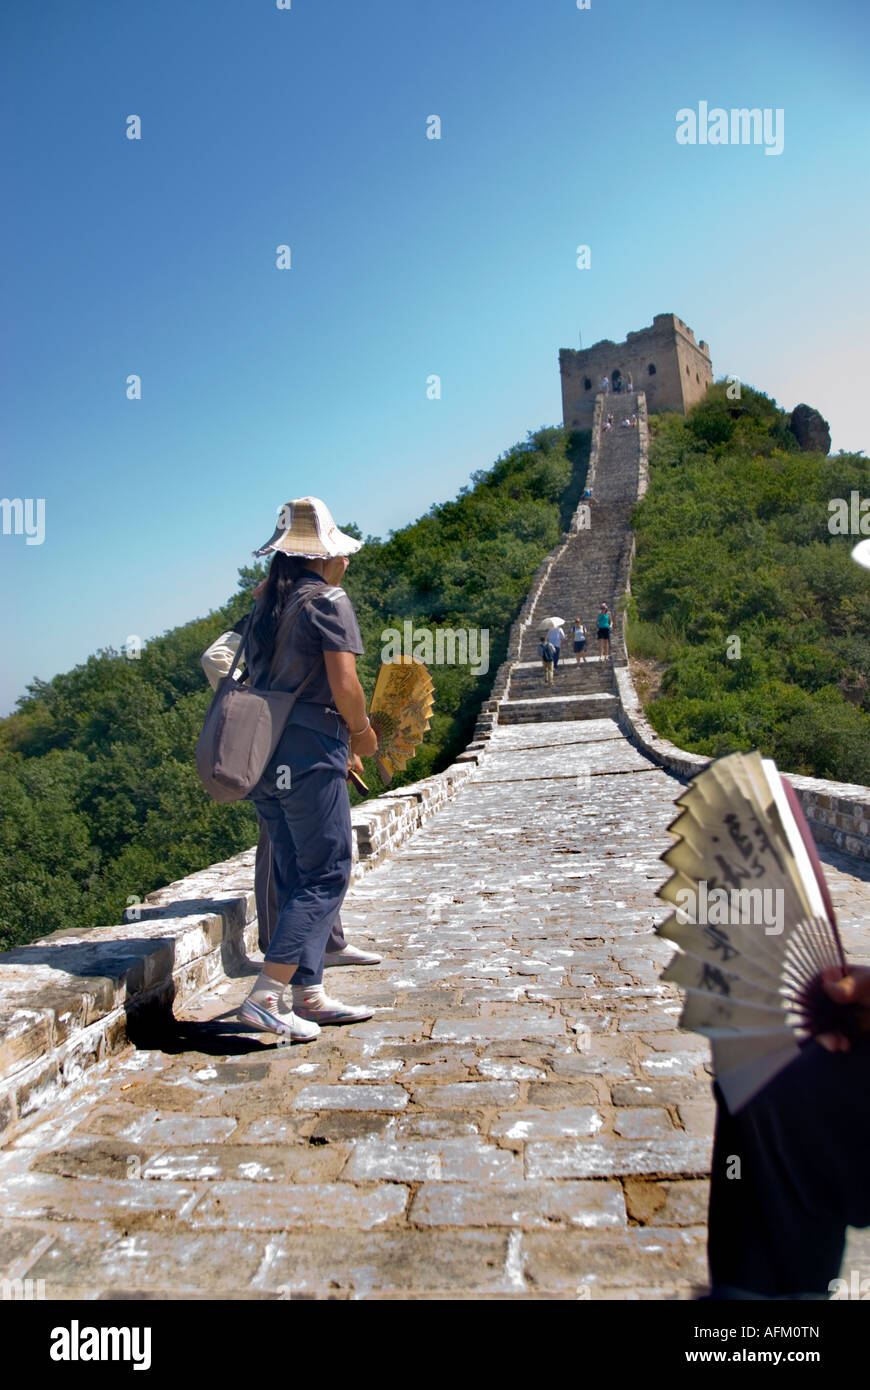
(754, 923)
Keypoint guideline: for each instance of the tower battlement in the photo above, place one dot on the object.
(664, 360)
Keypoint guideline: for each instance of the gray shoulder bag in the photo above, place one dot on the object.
(241, 730)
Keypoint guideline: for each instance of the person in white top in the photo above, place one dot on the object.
(555, 637)
(578, 634)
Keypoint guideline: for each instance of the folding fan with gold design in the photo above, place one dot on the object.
(754, 922)
(399, 713)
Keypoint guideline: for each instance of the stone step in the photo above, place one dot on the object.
(528, 653)
(593, 678)
(557, 707)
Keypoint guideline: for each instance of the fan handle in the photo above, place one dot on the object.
(358, 782)
(810, 847)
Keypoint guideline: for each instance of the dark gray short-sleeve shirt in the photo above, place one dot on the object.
(327, 623)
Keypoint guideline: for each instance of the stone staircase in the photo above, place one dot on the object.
(592, 569)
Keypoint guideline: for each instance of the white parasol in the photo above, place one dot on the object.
(547, 624)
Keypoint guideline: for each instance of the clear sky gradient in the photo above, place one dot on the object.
(410, 257)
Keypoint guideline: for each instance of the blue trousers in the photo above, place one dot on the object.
(310, 831)
(267, 900)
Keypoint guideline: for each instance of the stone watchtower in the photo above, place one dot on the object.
(664, 361)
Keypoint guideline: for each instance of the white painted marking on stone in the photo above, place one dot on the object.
(380, 1070)
(273, 1251)
(513, 1269)
(519, 1130)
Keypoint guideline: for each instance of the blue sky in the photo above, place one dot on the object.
(307, 127)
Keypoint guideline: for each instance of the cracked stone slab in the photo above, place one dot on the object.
(680, 1155)
(279, 1206)
(263, 1163)
(531, 1124)
(362, 1097)
(468, 1095)
(380, 1262)
(176, 1260)
(42, 1197)
(592, 1205)
(464, 1159)
(494, 1029)
(628, 1260)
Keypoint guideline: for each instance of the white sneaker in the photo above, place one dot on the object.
(351, 955)
(331, 1011)
(282, 1021)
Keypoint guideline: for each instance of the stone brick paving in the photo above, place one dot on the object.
(521, 1119)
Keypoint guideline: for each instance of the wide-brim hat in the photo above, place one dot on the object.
(306, 528)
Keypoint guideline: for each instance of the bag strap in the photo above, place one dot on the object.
(241, 647)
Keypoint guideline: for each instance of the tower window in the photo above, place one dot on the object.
(687, 370)
(651, 369)
(587, 384)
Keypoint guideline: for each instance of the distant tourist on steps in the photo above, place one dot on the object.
(547, 653)
(555, 637)
(605, 622)
(578, 635)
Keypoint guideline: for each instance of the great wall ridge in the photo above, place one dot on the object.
(520, 1117)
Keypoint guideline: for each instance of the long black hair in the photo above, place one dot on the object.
(283, 574)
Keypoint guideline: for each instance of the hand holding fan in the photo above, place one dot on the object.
(754, 922)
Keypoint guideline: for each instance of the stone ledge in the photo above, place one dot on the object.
(71, 999)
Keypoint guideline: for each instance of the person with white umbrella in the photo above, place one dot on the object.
(552, 633)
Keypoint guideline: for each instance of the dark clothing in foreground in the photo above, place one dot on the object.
(778, 1230)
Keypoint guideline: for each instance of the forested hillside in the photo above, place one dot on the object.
(99, 798)
(741, 588)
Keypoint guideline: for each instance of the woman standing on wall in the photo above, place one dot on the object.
(305, 637)
(605, 623)
(578, 633)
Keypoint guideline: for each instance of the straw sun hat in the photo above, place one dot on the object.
(306, 528)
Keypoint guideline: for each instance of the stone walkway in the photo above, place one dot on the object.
(521, 1119)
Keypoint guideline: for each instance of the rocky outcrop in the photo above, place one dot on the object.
(810, 430)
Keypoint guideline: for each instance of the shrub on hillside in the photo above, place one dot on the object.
(742, 588)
